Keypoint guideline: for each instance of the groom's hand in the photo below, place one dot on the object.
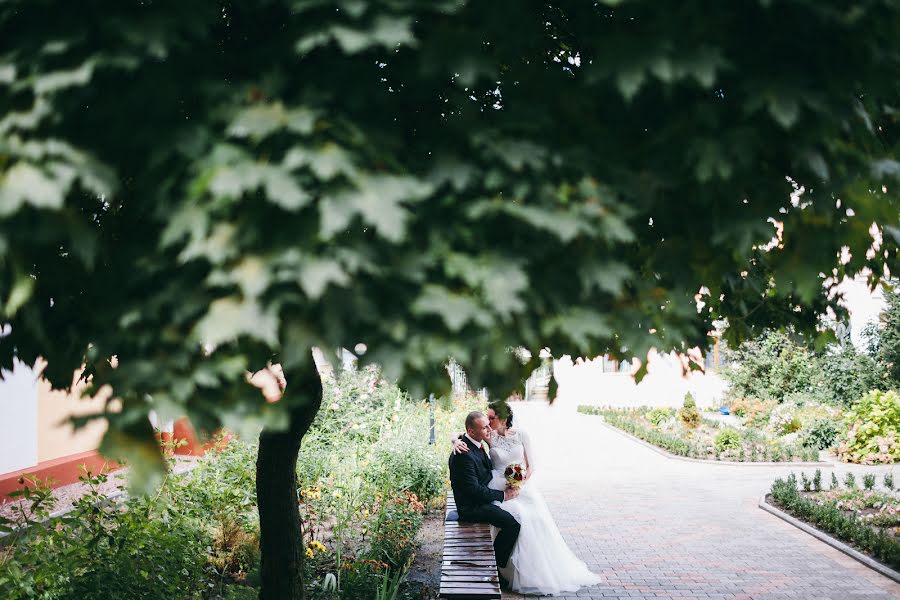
(510, 493)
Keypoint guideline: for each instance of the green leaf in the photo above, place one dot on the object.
(146, 467)
(231, 318)
(19, 295)
(784, 109)
(24, 183)
(282, 190)
(608, 276)
(7, 73)
(630, 81)
(258, 121)
(378, 200)
(261, 120)
(582, 326)
(456, 310)
(386, 31)
(316, 274)
(326, 161)
(53, 82)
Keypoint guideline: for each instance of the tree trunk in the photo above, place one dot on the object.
(280, 530)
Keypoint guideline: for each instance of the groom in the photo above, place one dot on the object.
(470, 473)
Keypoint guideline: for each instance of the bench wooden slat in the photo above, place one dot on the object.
(468, 564)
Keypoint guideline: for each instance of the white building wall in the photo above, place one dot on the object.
(18, 419)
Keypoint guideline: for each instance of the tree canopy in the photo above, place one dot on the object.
(200, 187)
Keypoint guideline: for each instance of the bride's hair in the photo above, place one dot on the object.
(502, 410)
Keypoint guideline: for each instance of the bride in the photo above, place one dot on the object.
(541, 562)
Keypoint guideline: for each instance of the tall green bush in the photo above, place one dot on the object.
(888, 352)
(847, 375)
(772, 367)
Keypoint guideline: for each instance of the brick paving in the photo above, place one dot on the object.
(659, 528)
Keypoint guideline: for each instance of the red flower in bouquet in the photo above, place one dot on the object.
(515, 475)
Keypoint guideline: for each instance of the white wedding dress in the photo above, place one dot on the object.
(541, 562)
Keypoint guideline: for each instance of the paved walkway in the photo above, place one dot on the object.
(665, 529)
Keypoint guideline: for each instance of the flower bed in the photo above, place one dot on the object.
(709, 439)
(866, 518)
(366, 477)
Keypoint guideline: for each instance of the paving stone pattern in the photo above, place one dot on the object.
(667, 529)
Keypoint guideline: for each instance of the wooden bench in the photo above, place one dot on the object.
(468, 568)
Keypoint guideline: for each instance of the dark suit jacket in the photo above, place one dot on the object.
(470, 473)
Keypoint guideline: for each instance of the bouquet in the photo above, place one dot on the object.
(515, 475)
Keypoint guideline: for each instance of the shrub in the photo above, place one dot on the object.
(873, 429)
(850, 481)
(821, 434)
(689, 415)
(770, 367)
(834, 481)
(869, 481)
(889, 481)
(658, 416)
(831, 519)
(727, 439)
(142, 548)
(408, 467)
(888, 345)
(817, 480)
(847, 375)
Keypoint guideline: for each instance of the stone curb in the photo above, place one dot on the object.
(831, 541)
(705, 461)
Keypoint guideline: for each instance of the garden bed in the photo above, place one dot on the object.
(708, 440)
(367, 480)
(863, 515)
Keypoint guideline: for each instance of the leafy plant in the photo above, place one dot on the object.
(873, 429)
(689, 415)
(828, 517)
(657, 416)
(850, 481)
(821, 434)
(889, 481)
(834, 481)
(728, 439)
(817, 480)
(869, 481)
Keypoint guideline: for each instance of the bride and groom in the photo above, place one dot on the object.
(532, 557)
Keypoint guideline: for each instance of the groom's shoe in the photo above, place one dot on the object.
(504, 583)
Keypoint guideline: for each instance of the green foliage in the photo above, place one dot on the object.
(828, 517)
(888, 351)
(772, 366)
(409, 468)
(143, 548)
(658, 416)
(850, 481)
(821, 434)
(667, 442)
(817, 480)
(834, 481)
(688, 414)
(689, 401)
(869, 481)
(297, 176)
(873, 425)
(889, 481)
(699, 443)
(727, 439)
(847, 375)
